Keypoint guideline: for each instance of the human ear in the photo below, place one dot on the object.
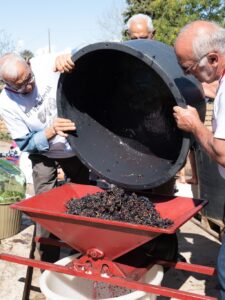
(153, 33)
(213, 58)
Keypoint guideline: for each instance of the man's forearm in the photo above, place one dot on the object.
(33, 142)
(206, 139)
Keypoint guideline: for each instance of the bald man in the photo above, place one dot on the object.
(200, 50)
(29, 109)
(140, 26)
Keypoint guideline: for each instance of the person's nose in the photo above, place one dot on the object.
(29, 88)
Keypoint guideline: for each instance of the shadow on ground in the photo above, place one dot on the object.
(197, 249)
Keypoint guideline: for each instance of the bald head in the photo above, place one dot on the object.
(198, 38)
(140, 27)
(16, 73)
(200, 49)
(11, 65)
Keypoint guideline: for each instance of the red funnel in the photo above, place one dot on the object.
(113, 238)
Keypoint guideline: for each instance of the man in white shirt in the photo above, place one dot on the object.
(200, 50)
(28, 107)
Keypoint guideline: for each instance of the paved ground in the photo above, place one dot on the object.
(195, 245)
(12, 275)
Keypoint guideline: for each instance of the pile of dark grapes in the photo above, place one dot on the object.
(117, 205)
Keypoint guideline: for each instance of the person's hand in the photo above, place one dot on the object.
(187, 118)
(64, 63)
(60, 126)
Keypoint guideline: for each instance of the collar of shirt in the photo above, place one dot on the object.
(222, 76)
(8, 89)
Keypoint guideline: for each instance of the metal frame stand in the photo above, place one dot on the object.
(81, 267)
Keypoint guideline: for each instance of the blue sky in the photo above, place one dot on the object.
(71, 23)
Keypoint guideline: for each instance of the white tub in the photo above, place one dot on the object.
(58, 286)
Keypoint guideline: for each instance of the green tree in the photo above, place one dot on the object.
(27, 54)
(170, 15)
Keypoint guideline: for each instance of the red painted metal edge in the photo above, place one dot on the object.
(124, 282)
(49, 241)
(39, 205)
(188, 267)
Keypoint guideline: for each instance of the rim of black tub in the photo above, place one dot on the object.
(121, 96)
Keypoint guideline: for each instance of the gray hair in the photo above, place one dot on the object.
(8, 65)
(207, 40)
(140, 16)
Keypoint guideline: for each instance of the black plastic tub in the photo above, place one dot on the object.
(211, 185)
(121, 97)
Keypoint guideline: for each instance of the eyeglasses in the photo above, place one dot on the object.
(187, 70)
(22, 87)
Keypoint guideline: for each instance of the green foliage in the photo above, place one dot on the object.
(169, 16)
(12, 183)
(9, 197)
(27, 54)
(5, 136)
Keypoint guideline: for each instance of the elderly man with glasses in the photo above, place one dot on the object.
(28, 107)
(200, 50)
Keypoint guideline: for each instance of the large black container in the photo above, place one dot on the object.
(211, 185)
(121, 97)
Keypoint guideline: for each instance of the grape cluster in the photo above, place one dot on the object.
(117, 205)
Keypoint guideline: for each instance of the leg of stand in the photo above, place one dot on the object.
(29, 273)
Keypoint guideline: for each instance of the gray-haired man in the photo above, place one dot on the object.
(200, 50)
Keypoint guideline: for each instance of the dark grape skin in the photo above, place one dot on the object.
(116, 204)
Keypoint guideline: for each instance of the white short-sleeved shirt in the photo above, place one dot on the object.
(218, 121)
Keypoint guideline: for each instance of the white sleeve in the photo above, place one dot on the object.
(220, 117)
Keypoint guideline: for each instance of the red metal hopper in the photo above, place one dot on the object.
(102, 243)
(111, 238)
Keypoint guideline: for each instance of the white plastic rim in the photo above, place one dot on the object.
(155, 274)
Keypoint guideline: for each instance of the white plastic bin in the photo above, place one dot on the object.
(58, 286)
